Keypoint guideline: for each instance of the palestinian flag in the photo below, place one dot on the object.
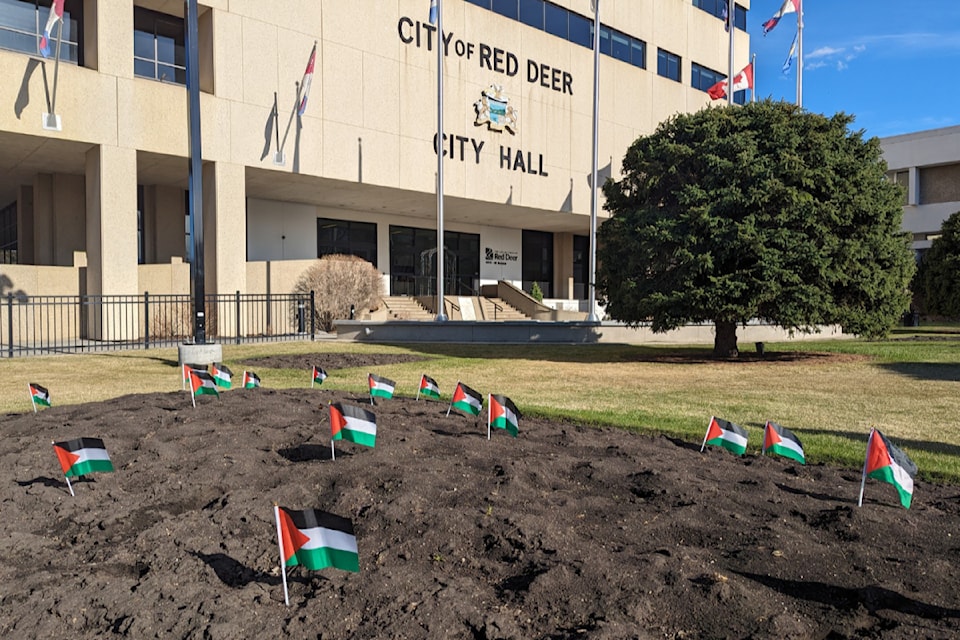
(222, 376)
(317, 540)
(250, 380)
(187, 368)
(725, 434)
(352, 423)
(429, 387)
(381, 387)
(467, 400)
(782, 442)
(503, 414)
(203, 383)
(888, 463)
(82, 456)
(319, 375)
(39, 395)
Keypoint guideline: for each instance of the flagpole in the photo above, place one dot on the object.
(592, 285)
(702, 446)
(34, 402)
(283, 566)
(729, 26)
(863, 474)
(438, 41)
(370, 387)
(56, 69)
(800, 56)
(296, 105)
(753, 85)
(448, 408)
(488, 416)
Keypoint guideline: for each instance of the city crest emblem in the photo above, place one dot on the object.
(492, 110)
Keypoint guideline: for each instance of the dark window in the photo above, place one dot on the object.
(537, 261)
(604, 40)
(413, 262)
(638, 53)
(531, 13)
(620, 43)
(347, 237)
(8, 234)
(703, 78)
(581, 30)
(668, 65)
(481, 3)
(739, 17)
(740, 97)
(581, 267)
(506, 8)
(140, 256)
(22, 23)
(716, 8)
(555, 20)
(159, 50)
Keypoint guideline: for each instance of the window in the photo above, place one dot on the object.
(716, 8)
(581, 267)
(668, 65)
(159, 49)
(555, 20)
(413, 262)
(703, 78)
(22, 23)
(506, 8)
(537, 261)
(902, 178)
(8, 234)
(347, 237)
(939, 184)
(480, 3)
(531, 13)
(638, 53)
(581, 31)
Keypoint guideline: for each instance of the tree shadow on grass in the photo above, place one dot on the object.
(873, 598)
(937, 371)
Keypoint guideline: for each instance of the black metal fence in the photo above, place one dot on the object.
(33, 325)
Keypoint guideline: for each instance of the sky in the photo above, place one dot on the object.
(893, 64)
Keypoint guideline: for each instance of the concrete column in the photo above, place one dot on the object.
(43, 219)
(111, 25)
(913, 186)
(25, 230)
(224, 227)
(111, 199)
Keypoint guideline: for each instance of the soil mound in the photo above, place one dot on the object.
(563, 532)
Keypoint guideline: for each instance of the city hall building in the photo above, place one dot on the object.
(94, 148)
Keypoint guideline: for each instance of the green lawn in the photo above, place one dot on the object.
(829, 393)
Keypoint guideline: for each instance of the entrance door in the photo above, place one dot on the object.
(413, 262)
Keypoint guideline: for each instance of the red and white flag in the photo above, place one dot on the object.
(789, 6)
(741, 81)
(307, 81)
(56, 15)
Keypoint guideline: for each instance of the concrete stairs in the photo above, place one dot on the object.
(405, 308)
(502, 311)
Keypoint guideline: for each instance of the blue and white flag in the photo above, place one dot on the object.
(55, 16)
(792, 54)
(433, 11)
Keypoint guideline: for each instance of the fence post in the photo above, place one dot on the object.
(10, 324)
(313, 316)
(146, 319)
(238, 317)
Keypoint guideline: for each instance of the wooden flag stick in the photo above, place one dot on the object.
(451, 399)
(706, 434)
(283, 564)
(863, 475)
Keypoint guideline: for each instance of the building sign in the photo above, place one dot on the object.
(492, 110)
(499, 256)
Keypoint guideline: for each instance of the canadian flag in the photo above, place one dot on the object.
(741, 81)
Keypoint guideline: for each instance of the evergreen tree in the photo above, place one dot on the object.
(761, 212)
(938, 280)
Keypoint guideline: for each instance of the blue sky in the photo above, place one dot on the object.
(894, 65)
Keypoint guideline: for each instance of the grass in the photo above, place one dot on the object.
(829, 393)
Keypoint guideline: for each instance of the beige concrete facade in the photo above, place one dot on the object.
(363, 150)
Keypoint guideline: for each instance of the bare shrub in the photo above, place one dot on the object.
(338, 282)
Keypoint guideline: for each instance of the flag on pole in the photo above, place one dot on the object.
(81, 456)
(428, 388)
(741, 81)
(722, 433)
(792, 54)
(788, 6)
(222, 375)
(352, 423)
(887, 463)
(307, 81)
(725, 15)
(250, 380)
(783, 442)
(319, 375)
(202, 383)
(433, 11)
(380, 387)
(317, 540)
(189, 367)
(502, 414)
(467, 400)
(55, 16)
(38, 395)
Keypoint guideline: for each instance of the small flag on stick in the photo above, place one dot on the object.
(222, 375)
(187, 368)
(81, 456)
(466, 399)
(428, 388)
(783, 442)
(319, 375)
(202, 383)
(725, 434)
(315, 539)
(352, 423)
(887, 463)
(38, 395)
(380, 387)
(502, 414)
(250, 380)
